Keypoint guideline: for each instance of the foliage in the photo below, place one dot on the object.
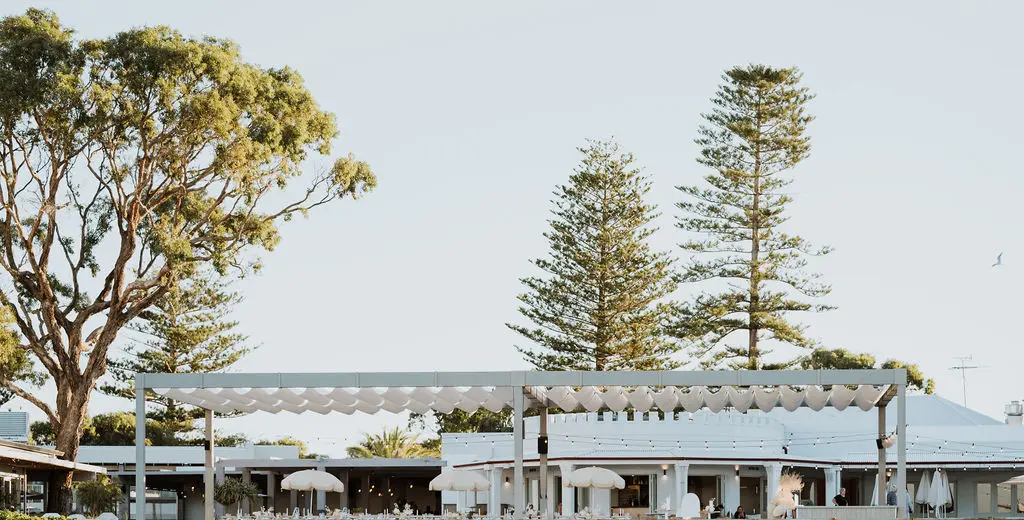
(98, 495)
(17, 515)
(15, 363)
(170, 155)
(600, 306)
(754, 135)
(395, 443)
(234, 490)
(186, 331)
(841, 359)
(459, 421)
(118, 429)
(304, 452)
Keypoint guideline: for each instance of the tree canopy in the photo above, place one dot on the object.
(600, 304)
(128, 164)
(841, 359)
(394, 443)
(754, 135)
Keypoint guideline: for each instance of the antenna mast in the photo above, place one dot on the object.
(963, 367)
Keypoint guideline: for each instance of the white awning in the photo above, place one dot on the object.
(349, 400)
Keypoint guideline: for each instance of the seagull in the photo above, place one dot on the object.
(999, 260)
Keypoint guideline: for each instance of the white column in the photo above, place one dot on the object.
(901, 447)
(140, 447)
(679, 487)
(494, 504)
(208, 477)
(881, 457)
(549, 501)
(321, 496)
(542, 485)
(832, 484)
(518, 483)
(568, 493)
(272, 491)
(730, 489)
(343, 502)
(774, 471)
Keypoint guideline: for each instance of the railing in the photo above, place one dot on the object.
(846, 513)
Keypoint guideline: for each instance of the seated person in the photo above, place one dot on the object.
(740, 513)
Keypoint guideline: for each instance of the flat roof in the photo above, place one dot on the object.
(371, 463)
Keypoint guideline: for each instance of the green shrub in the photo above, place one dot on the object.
(233, 490)
(98, 495)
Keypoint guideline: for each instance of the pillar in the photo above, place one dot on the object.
(364, 495)
(542, 485)
(833, 482)
(321, 496)
(246, 478)
(774, 474)
(881, 457)
(140, 446)
(568, 493)
(218, 509)
(272, 491)
(730, 489)
(209, 511)
(343, 501)
(518, 483)
(901, 454)
(293, 501)
(494, 499)
(679, 487)
(549, 502)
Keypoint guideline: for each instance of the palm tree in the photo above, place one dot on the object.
(391, 444)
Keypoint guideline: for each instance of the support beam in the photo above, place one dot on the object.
(494, 500)
(568, 493)
(208, 477)
(901, 456)
(272, 491)
(881, 457)
(140, 446)
(518, 489)
(321, 496)
(542, 486)
(247, 479)
(218, 508)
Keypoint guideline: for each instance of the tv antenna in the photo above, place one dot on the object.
(963, 367)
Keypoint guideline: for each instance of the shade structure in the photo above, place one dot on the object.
(939, 496)
(592, 398)
(107, 516)
(923, 488)
(51, 515)
(312, 480)
(594, 477)
(460, 480)
(77, 516)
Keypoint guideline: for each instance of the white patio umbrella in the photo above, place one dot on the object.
(77, 516)
(594, 477)
(51, 515)
(312, 480)
(460, 480)
(107, 516)
(874, 492)
(923, 488)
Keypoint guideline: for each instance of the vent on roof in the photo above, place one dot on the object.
(14, 426)
(1014, 413)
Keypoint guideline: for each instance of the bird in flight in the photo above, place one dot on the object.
(999, 260)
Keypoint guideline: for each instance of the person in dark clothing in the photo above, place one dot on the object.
(840, 499)
(739, 513)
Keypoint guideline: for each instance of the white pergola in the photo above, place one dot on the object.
(443, 392)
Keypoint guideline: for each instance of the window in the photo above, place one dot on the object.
(1003, 498)
(983, 501)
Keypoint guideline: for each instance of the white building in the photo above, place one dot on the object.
(731, 457)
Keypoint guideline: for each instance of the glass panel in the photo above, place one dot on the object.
(1003, 504)
(983, 502)
(636, 493)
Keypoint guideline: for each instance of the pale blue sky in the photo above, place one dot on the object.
(470, 112)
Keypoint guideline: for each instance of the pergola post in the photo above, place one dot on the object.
(901, 447)
(881, 456)
(542, 452)
(208, 477)
(518, 490)
(140, 447)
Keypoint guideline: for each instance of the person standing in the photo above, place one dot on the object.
(840, 499)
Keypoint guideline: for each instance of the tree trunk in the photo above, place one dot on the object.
(71, 408)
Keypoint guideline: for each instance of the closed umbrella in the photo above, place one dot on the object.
(874, 493)
(938, 496)
(923, 488)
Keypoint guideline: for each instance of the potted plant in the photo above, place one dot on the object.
(233, 491)
(98, 495)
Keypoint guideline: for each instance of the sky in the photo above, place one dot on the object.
(470, 114)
